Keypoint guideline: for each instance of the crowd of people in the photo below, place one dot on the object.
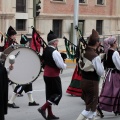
(84, 83)
(94, 66)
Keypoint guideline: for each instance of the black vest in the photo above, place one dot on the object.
(47, 57)
(109, 62)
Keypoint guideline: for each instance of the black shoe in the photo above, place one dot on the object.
(53, 117)
(33, 104)
(117, 113)
(13, 105)
(99, 111)
(19, 95)
(42, 112)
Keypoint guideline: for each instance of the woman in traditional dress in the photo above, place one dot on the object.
(74, 87)
(109, 99)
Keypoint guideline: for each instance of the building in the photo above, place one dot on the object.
(18, 14)
(57, 15)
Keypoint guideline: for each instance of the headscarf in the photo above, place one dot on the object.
(112, 40)
(107, 42)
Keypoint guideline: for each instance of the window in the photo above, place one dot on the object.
(20, 5)
(100, 2)
(82, 1)
(57, 27)
(58, 0)
(81, 26)
(20, 25)
(99, 26)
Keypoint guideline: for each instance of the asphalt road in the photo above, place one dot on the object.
(68, 109)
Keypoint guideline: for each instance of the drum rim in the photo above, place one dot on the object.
(34, 52)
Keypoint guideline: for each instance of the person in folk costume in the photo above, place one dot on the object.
(109, 99)
(53, 64)
(10, 40)
(20, 88)
(91, 69)
(3, 91)
(1, 41)
(11, 37)
(74, 87)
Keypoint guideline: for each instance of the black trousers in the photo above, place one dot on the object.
(3, 91)
(53, 89)
(20, 88)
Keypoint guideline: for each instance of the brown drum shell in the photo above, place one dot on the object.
(7, 51)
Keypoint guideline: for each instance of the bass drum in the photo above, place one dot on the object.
(27, 66)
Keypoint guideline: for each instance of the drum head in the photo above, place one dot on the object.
(26, 67)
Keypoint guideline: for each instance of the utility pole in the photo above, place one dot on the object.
(75, 23)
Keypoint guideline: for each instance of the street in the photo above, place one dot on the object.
(68, 109)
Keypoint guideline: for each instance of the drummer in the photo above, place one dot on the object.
(11, 34)
(10, 40)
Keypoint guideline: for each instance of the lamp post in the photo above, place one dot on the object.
(75, 22)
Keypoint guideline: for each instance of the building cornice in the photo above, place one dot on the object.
(6, 15)
(70, 16)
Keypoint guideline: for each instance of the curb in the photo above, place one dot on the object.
(70, 61)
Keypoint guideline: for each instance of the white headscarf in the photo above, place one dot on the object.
(107, 42)
(112, 40)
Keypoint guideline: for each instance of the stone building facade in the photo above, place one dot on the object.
(57, 15)
(20, 19)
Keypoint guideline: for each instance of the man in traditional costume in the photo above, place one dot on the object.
(91, 69)
(3, 91)
(11, 40)
(53, 64)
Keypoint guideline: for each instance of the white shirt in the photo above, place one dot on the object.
(98, 66)
(58, 59)
(116, 59)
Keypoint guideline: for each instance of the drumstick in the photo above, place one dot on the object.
(11, 61)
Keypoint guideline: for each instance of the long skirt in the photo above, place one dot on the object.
(109, 99)
(74, 87)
